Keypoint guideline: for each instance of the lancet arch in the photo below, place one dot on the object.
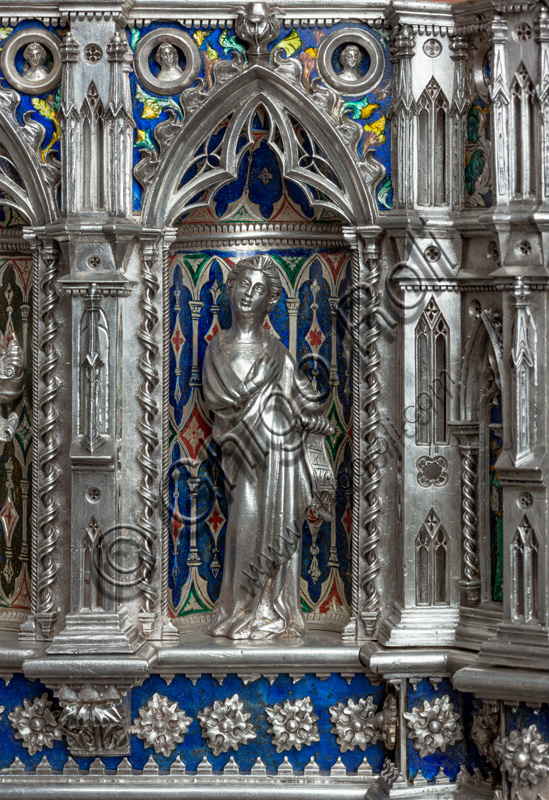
(483, 354)
(27, 181)
(350, 194)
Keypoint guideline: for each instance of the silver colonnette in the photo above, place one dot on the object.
(429, 680)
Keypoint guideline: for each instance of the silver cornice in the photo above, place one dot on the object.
(322, 13)
(255, 233)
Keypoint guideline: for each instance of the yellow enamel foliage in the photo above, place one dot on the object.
(211, 53)
(378, 127)
(199, 37)
(290, 44)
(367, 110)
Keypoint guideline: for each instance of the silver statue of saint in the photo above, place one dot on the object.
(272, 436)
(35, 55)
(168, 57)
(350, 59)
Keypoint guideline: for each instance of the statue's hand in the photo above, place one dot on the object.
(316, 424)
(264, 370)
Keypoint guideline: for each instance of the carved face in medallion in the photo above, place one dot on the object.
(167, 56)
(350, 59)
(35, 55)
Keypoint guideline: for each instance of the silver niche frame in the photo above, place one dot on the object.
(165, 200)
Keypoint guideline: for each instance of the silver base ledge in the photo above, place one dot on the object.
(133, 790)
(403, 790)
(319, 651)
(419, 627)
(414, 662)
(511, 685)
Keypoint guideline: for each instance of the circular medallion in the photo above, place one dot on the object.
(93, 494)
(481, 70)
(432, 253)
(432, 48)
(523, 248)
(523, 32)
(93, 53)
(30, 61)
(525, 500)
(177, 58)
(94, 262)
(351, 61)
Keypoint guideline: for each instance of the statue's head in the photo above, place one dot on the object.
(350, 56)
(166, 55)
(35, 54)
(268, 268)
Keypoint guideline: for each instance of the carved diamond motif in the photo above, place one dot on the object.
(213, 330)
(315, 338)
(178, 340)
(23, 434)
(195, 433)
(9, 517)
(432, 311)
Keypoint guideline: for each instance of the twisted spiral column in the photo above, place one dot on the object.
(369, 425)
(471, 568)
(47, 453)
(366, 331)
(147, 489)
(169, 631)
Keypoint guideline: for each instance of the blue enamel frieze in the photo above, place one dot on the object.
(439, 716)
(259, 699)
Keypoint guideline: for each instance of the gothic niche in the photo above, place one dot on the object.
(432, 128)
(432, 347)
(524, 573)
(524, 125)
(258, 212)
(431, 562)
(481, 444)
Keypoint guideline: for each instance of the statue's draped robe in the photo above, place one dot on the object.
(268, 491)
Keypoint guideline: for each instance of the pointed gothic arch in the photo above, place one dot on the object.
(483, 350)
(27, 181)
(354, 198)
